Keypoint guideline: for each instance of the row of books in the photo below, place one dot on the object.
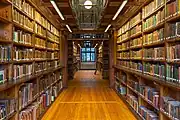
(137, 66)
(154, 53)
(31, 112)
(22, 70)
(133, 101)
(151, 94)
(5, 53)
(53, 64)
(5, 13)
(53, 37)
(147, 114)
(136, 42)
(171, 107)
(4, 73)
(52, 55)
(173, 30)
(22, 20)
(123, 46)
(7, 108)
(154, 20)
(123, 29)
(121, 76)
(173, 53)
(151, 7)
(40, 42)
(123, 55)
(40, 30)
(136, 29)
(173, 8)
(123, 63)
(4, 34)
(135, 20)
(153, 37)
(27, 93)
(39, 66)
(120, 89)
(22, 37)
(25, 7)
(39, 55)
(22, 54)
(154, 69)
(52, 46)
(173, 73)
(136, 54)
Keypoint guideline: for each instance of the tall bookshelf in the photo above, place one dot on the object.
(30, 68)
(147, 71)
(73, 59)
(102, 59)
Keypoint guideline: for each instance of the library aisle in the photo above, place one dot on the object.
(88, 97)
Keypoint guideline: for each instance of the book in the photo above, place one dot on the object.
(171, 107)
(136, 65)
(136, 42)
(136, 54)
(135, 30)
(39, 55)
(5, 53)
(21, 53)
(22, 37)
(133, 101)
(147, 113)
(40, 42)
(39, 67)
(154, 53)
(172, 73)
(172, 30)
(3, 74)
(40, 30)
(7, 107)
(135, 20)
(30, 113)
(173, 53)
(22, 70)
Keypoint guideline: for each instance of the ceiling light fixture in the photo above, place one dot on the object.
(68, 28)
(57, 9)
(120, 8)
(88, 4)
(107, 28)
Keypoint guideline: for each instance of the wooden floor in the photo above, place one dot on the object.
(88, 98)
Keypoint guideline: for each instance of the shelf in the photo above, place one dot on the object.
(5, 41)
(149, 77)
(121, 81)
(152, 13)
(24, 79)
(40, 60)
(49, 59)
(11, 115)
(50, 40)
(125, 40)
(5, 20)
(22, 27)
(137, 115)
(154, 60)
(22, 45)
(154, 44)
(173, 62)
(135, 59)
(167, 115)
(40, 36)
(136, 35)
(153, 28)
(22, 61)
(171, 40)
(5, 62)
(136, 23)
(123, 58)
(122, 50)
(173, 18)
(40, 48)
(40, 24)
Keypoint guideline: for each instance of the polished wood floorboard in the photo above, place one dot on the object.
(88, 97)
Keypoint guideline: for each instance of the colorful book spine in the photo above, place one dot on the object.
(154, 53)
(136, 54)
(137, 66)
(22, 54)
(136, 42)
(133, 101)
(147, 114)
(39, 55)
(173, 73)
(39, 30)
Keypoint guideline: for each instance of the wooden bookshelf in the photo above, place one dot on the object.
(29, 59)
(153, 28)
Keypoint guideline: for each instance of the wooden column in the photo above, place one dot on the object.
(63, 56)
(112, 57)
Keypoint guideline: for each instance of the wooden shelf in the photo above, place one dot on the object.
(22, 27)
(153, 28)
(5, 20)
(149, 77)
(138, 22)
(40, 36)
(23, 45)
(168, 116)
(154, 60)
(22, 61)
(121, 81)
(5, 41)
(172, 40)
(40, 48)
(6, 62)
(135, 59)
(123, 50)
(125, 40)
(173, 18)
(50, 40)
(11, 115)
(154, 44)
(136, 35)
(136, 47)
(122, 58)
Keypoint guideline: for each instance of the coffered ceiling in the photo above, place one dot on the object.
(111, 7)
